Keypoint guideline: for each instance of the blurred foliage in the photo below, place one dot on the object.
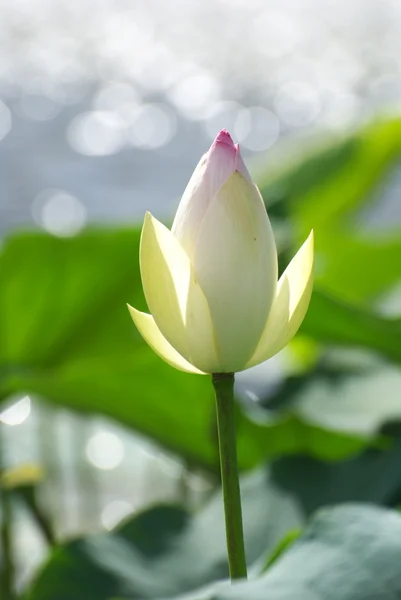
(67, 336)
(23, 476)
(372, 476)
(345, 553)
(164, 551)
(282, 546)
(330, 432)
(348, 553)
(333, 190)
(342, 397)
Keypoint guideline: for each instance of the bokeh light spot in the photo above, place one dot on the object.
(257, 128)
(195, 95)
(105, 450)
(341, 111)
(223, 115)
(17, 413)
(96, 133)
(297, 104)
(59, 213)
(115, 96)
(152, 126)
(275, 34)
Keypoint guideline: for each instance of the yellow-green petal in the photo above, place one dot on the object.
(164, 273)
(175, 298)
(152, 335)
(289, 308)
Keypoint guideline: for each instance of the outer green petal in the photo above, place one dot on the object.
(175, 298)
(290, 304)
(153, 336)
(235, 261)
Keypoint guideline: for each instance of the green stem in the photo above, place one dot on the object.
(224, 388)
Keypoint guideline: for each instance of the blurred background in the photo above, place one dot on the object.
(105, 108)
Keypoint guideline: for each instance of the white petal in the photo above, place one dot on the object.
(153, 336)
(240, 165)
(212, 172)
(175, 298)
(235, 262)
(193, 205)
(290, 304)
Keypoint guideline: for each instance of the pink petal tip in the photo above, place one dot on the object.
(224, 138)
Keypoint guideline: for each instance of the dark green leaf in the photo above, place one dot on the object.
(373, 476)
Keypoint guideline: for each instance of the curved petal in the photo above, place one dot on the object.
(152, 335)
(240, 165)
(213, 170)
(192, 207)
(290, 304)
(215, 167)
(235, 261)
(174, 296)
(165, 277)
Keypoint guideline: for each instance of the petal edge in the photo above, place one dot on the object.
(290, 304)
(165, 273)
(175, 299)
(152, 335)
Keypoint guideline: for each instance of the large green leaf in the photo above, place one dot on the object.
(165, 551)
(65, 334)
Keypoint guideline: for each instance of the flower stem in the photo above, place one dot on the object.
(224, 389)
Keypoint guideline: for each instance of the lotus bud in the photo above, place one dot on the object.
(211, 282)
